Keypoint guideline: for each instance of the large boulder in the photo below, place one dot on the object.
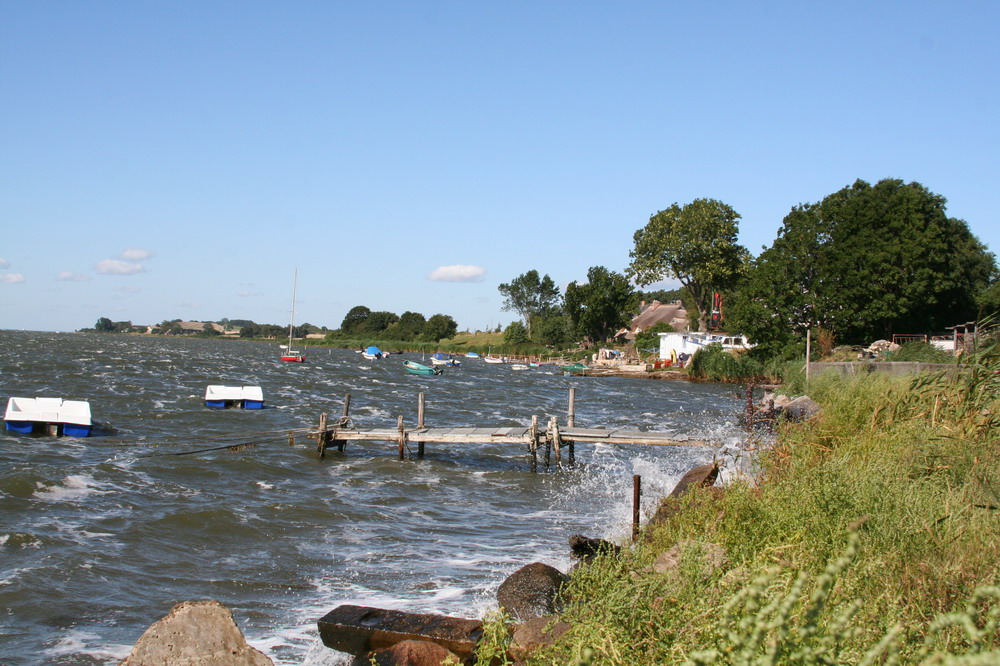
(703, 476)
(585, 548)
(533, 634)
(195, 633)
(531, 591)
(802, 408)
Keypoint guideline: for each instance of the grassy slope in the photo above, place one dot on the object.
(903, 477)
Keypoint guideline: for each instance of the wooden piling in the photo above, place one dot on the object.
(421, 410)
(636, 503)
(322, 435)
(571, 421)
(556, 438)
(345, 419)
(402, 437)
(533, 444)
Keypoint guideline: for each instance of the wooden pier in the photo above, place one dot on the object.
(553, 437)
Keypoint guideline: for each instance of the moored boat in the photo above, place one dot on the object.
(518, 366)
(246, 397)
(575, 367)
(440, 358)
(420, 369)
(372, 353)
(52, 415)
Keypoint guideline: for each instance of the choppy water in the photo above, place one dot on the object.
(99, 537)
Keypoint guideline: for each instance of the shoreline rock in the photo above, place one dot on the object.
(195, 633)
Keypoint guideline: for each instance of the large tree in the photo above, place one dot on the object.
(355, 320)
(530, 296)
(602, 305)
(409, 327)
(439, 327)
(694, 244)
(379, 321)
(864, 263)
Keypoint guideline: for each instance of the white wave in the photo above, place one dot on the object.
(74, 487)
(76, 643)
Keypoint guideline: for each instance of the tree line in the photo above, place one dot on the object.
(361, 322)
(865, 262)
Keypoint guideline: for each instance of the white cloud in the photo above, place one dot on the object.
(128, 290)
(248, 294)
(136, 254)
(457, 273)
(118, 267)
(11, 278)
(4, 263)
(67, 276)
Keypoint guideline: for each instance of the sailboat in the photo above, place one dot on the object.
(291, 354)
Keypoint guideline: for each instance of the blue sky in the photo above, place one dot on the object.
(164, 160)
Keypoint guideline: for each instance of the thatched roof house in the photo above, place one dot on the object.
(653, 313)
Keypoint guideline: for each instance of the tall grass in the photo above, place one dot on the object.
(870, 535)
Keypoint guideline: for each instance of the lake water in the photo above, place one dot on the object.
(101, 536)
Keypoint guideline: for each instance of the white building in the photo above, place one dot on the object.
(673, 344)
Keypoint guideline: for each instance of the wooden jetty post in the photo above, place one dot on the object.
(636, 503)
(421, 410)
(556, 438)
(345, 419)
(402, 437)
(570, 421)
(321, 436)
(533, 444)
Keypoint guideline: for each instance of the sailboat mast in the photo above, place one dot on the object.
(291, 322)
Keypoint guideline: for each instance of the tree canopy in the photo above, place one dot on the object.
(439, 327)
(530, 296)
(864, 263)
(355, 320)
(602, 305)
(695, 244)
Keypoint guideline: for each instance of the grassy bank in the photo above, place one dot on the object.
(870, 535)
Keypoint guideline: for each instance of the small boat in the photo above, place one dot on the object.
(518, 366)
(245, 397)
(493, 359)
(54, 416)
(439, 358)
(575, 367)
(471, 355)
(415, 368)
(373, 353)
(290, 354)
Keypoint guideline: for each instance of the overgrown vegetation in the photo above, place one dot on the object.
(870, 535)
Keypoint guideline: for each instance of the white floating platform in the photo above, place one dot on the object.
(247, 397)
(53, 415)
